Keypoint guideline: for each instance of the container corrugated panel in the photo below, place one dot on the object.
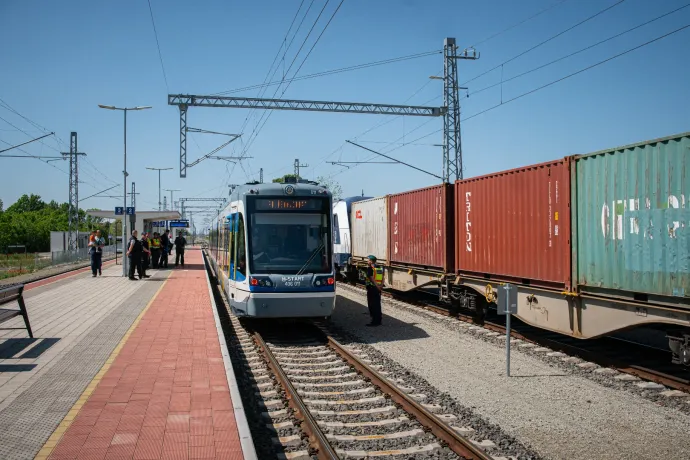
(421, 228)
(515, 225)
(632, 209)
(369, 231)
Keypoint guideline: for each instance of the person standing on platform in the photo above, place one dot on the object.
(180, 243)
(134, 252)
(374, 282)
(165, 249)
(146, 252)
(92, 253)
(99, 244)
(155, 250)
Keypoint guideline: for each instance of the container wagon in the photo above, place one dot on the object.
(596, 243)
(411, 235)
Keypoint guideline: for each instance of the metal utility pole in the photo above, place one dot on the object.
(452, 146)
(159, 182)
(261, 175)
(172, 203)
(73, 213)
(297, 166)
(124, 172)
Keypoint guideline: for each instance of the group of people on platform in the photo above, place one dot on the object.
(152, 251)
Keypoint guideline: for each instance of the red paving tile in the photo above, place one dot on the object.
(165, 396)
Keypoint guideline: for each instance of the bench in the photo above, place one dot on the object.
(10, 294)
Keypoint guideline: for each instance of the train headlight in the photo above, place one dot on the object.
(323, 281)
(260, 281)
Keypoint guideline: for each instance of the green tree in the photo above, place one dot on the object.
(332, 185)
(283, 178)
(27, 203)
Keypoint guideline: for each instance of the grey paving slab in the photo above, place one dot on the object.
(85, 318)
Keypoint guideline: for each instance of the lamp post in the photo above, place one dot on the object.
(124, 173)
(172, 203)
(159, 182)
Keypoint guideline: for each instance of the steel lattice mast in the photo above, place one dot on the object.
(73, 212)
(452, 146)
(452, 142)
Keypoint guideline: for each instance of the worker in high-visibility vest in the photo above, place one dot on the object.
(374, 283)
(155, 249)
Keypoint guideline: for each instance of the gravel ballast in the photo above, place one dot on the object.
(558, 414)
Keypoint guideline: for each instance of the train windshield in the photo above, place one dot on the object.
(290, 243)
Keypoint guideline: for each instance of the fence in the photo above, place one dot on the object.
(19, 264)
(82, 254)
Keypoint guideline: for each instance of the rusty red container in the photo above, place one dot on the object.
(514, 225)
(420, 228)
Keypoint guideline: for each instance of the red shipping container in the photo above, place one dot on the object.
(420, 228)
(515, 225)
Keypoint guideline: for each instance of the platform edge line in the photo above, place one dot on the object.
(245, 434)
(61, 429)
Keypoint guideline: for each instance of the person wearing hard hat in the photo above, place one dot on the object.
(374, 283)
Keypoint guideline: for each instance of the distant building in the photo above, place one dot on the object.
(59, 241)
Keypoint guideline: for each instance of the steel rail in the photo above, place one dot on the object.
(458, 444)
(317, 439)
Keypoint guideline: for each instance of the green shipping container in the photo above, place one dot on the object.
(631, 219)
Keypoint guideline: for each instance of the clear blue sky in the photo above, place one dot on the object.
(61, 59)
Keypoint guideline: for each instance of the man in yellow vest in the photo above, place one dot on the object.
(155, 249)
(374, 283)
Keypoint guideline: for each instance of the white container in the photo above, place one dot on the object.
(369, 221)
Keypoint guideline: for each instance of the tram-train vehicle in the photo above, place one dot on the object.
(596, 243)
(272, 250)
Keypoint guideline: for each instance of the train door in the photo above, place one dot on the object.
(230, 248)
(237, 277)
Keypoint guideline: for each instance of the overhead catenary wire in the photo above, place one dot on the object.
(334, 71)
(539, 88)
(553, 37)
(649, 42)
(581, 50)
(391, 119)
(597, 64)
(160, 56)
(251, 112)
(264, 116)
(251, 141)
(29, 135)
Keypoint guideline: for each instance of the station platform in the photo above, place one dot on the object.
(121, 369)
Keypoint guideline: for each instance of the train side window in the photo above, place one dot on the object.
(241, 250)
(230, 248)
(336, 230)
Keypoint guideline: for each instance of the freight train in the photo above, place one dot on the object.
(272, 251)
(595, 243)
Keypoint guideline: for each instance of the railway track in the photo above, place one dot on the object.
(624, 356)
(324, 400)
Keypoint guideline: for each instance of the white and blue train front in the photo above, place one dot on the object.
(272, 249)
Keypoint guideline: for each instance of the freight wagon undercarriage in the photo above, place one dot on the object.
(583, 316)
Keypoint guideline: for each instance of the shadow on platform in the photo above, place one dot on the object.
(11, 348)
(392, 329)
